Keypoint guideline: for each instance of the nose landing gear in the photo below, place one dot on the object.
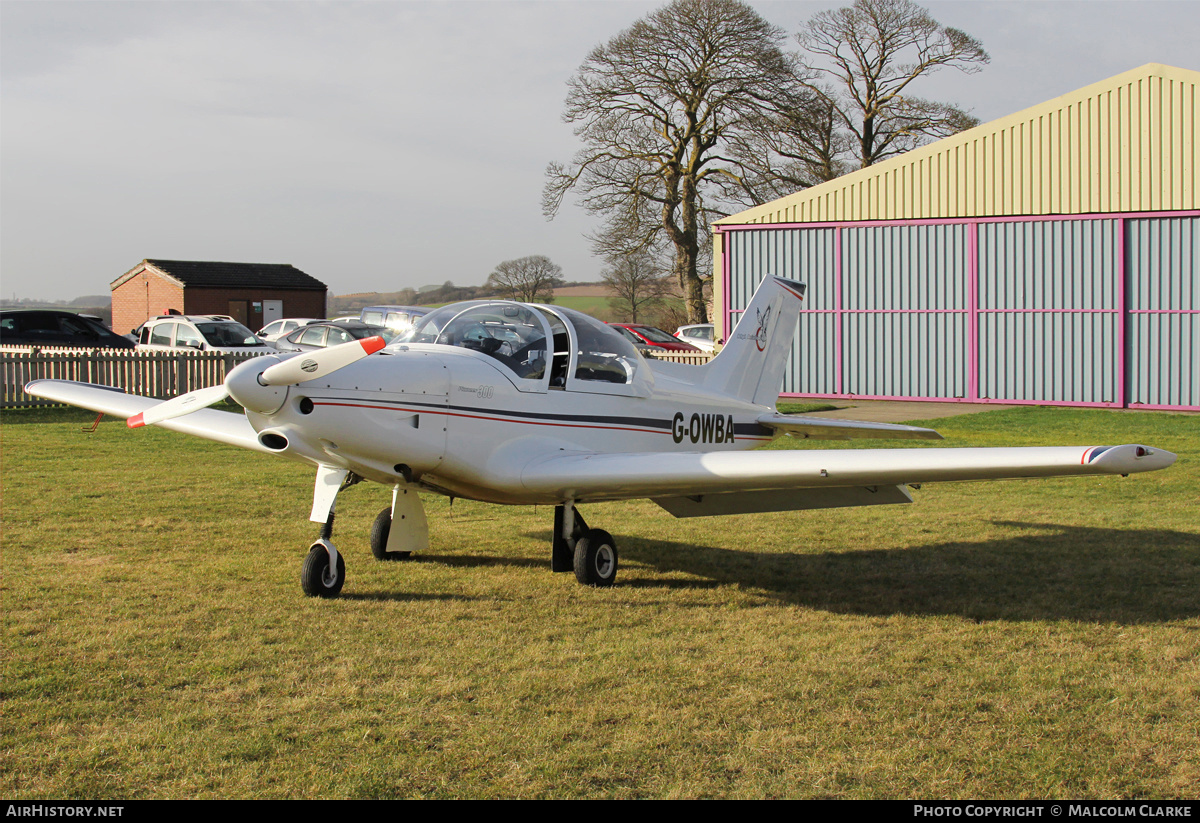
(397, 532)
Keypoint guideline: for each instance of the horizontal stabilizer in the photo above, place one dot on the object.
(828, 428)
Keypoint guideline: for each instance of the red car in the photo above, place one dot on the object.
(648, 337)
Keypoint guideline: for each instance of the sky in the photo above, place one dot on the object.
(386, 144)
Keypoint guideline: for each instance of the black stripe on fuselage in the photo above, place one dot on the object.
(744, 429)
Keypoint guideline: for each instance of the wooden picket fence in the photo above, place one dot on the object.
(161, 374)
(691, 358)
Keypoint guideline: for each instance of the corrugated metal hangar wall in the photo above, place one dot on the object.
(1101, 310)
(976, 303)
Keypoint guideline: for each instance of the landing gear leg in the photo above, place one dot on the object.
(568, 528)
(402, 529)
(324, 571)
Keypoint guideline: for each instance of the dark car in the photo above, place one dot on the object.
(321, 335)
(58, 328)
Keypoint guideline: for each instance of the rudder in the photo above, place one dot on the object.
(751, 364)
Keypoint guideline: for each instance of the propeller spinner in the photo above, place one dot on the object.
(298, 369)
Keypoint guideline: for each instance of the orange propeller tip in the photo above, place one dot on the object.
(136, 421)
(373, 344)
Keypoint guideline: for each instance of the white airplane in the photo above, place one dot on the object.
(532, 404)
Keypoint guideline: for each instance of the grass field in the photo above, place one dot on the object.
(1003, 640)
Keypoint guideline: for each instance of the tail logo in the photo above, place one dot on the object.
(760, 336)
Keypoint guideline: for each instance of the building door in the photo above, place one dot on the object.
(239, 310)
(272, 311)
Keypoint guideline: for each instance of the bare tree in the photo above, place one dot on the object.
(788, 151)
(527, 279)
(873, 51)
(657, 108)
(638, 284)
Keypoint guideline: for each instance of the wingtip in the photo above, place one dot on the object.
(1128, 458)
(136, 421)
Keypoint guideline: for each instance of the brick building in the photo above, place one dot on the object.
(252, 293)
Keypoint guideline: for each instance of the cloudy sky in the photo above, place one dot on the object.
(378, 145)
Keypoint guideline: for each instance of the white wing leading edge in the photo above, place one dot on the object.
(210, 424)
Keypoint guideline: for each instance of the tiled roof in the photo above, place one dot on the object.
(237, 275)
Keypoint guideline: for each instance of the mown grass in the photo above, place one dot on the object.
(1017, 639)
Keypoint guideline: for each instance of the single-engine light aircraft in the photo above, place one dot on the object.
(512, 403)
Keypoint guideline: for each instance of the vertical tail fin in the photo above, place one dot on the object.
(750, 366)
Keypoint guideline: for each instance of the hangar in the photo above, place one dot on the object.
(1048, 257)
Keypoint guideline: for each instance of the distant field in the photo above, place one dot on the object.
(593, 300)
(590, 290)
(595, 305)
(1024, 639)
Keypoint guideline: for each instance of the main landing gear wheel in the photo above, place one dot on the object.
(316, 578)
(596, 558)
(379, 537)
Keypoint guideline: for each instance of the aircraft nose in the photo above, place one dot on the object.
(245, 388)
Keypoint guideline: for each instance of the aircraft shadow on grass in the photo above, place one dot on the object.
(1045, 572)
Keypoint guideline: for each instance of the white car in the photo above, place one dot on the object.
(700, 335)
(199, 332)
(277, 329)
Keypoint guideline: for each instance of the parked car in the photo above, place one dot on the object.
(321, 335)
(278, 328)
(648, 337)
(58, 328)
(207, 332)
(397, 318)
(700, 335)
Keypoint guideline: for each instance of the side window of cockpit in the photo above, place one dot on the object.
(603, 356)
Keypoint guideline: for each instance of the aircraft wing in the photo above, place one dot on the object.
(828, 428)
(590, 476)
(210, 424)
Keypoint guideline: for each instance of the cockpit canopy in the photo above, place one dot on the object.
(539, 347)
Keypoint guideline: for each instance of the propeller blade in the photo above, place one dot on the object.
(179, 406)
(313, 364)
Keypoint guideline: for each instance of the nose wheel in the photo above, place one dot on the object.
(324, 571)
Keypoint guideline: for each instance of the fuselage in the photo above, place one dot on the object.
(458, 421)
